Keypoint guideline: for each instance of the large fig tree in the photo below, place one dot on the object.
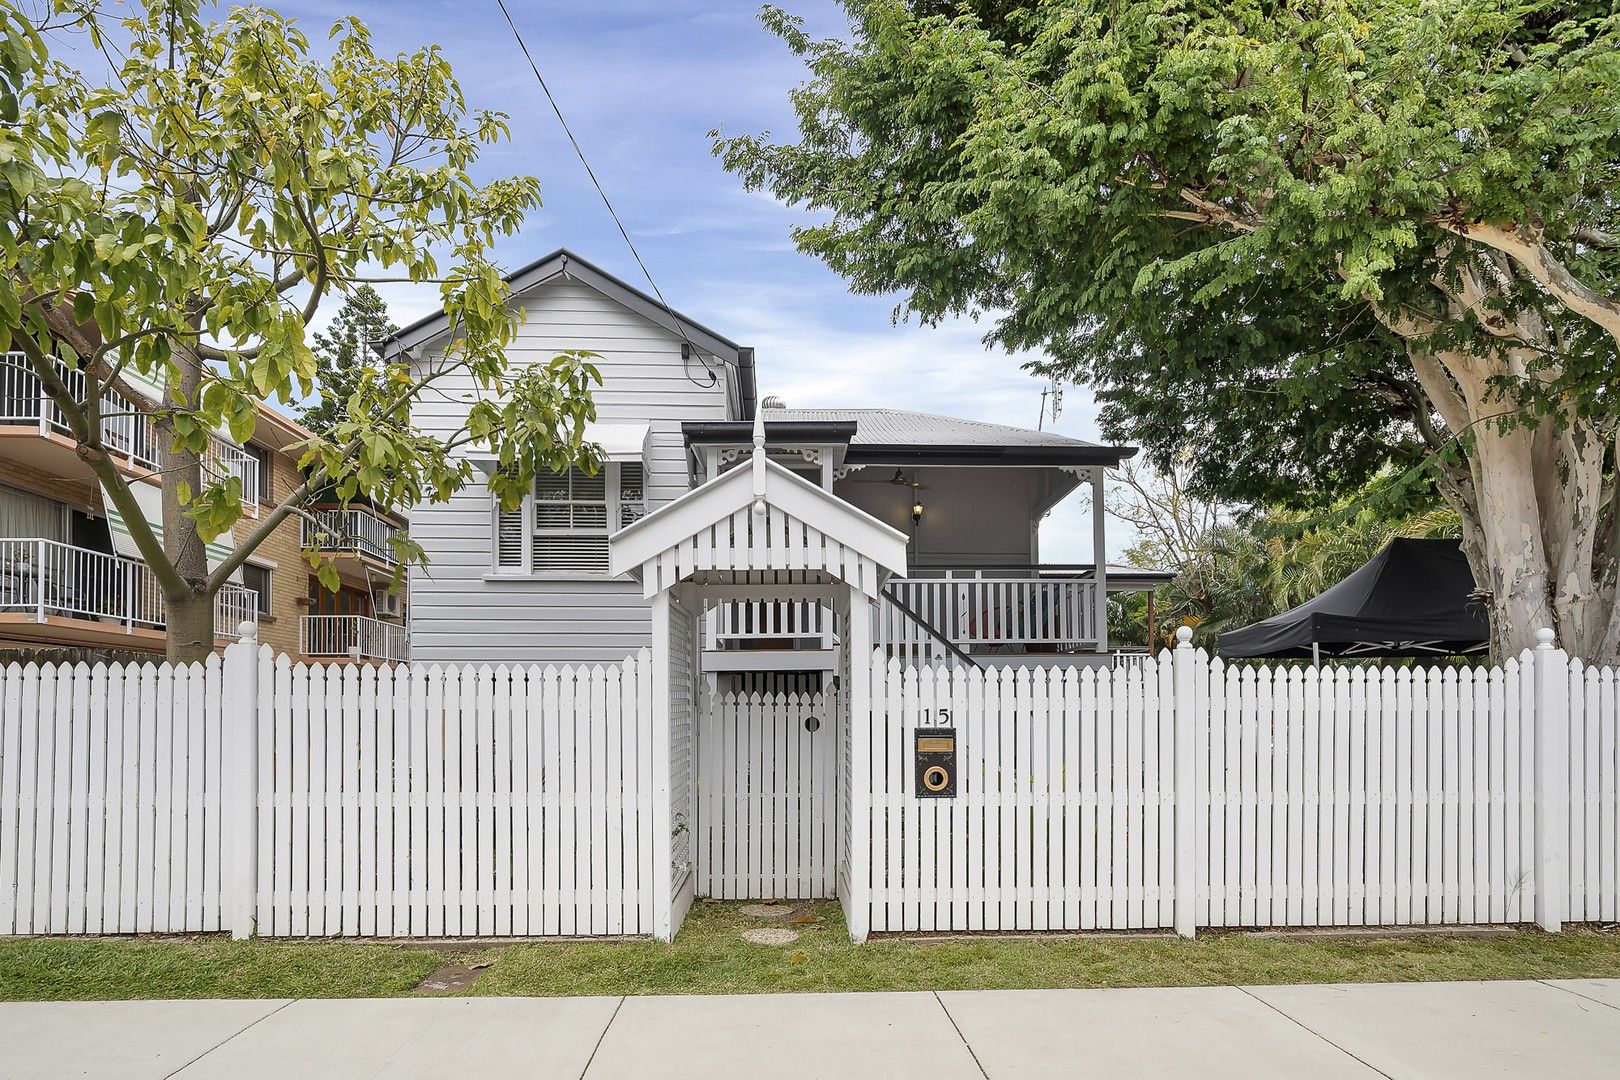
(1305, 242)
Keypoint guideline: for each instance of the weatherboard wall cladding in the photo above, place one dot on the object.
(460, 612)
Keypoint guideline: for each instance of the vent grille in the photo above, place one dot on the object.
(571, 554)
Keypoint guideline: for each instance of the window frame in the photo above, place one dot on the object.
(261, 457)
(612, 474)
(263, 605)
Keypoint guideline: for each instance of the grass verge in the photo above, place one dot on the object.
(710, 957)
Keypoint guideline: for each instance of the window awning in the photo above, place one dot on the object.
(150, 498)
(619, 440)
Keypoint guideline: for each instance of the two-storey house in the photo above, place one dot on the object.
(676, 408)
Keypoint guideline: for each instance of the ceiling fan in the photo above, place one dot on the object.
(898, 480)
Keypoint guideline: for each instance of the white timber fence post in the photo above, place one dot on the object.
(239, 727)
(1185, 783)
(1552, 781)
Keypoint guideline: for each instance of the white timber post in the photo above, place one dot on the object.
(858, 640)
(1552, 781)
(239, 745)
(663, 821)
(1099, 555)
(1185, 780)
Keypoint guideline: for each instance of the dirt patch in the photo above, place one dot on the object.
(452, 978)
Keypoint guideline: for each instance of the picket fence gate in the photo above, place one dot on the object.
(1183, 793)
(767, 796)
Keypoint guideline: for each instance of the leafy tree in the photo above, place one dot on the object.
(182, 220)
(1307, 243)
(343, 354)
(1237, 565)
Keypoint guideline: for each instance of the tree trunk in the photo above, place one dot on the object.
(1531, 518)
(190, 628)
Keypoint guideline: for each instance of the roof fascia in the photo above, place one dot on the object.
(566, 263)
(736, 432)
(902, 454)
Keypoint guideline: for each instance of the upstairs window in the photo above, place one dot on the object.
(564, 525)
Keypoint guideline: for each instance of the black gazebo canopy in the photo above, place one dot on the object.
(1411, 599)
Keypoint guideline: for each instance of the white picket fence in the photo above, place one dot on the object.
(1186, 793)
(767, 789)
(257, 795)
(406, 801)
(111, 820)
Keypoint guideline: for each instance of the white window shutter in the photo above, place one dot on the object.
(510, 529)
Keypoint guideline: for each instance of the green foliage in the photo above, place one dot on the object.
(182, 222)
(1255, 564)
(343, 352)
(1213, 212)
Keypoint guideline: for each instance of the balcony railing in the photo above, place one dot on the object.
(43, 578)
(233, 606)
(1022, 610)
(355, 530)
(357, 637)
(739, 621)
(126, 427)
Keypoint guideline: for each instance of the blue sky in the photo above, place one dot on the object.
(642, 83)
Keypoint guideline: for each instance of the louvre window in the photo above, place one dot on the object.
(563, 527)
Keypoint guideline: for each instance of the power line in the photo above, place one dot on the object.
(614, 214)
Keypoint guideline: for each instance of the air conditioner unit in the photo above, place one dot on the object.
(385, 602)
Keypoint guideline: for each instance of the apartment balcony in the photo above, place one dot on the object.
(41, 438)
(56, 594)
(358, 539)
(353, 637)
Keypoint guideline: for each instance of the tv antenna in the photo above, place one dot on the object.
(1053, 391)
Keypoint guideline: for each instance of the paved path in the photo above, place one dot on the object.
(1474, 1030)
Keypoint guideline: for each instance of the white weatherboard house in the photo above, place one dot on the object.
(676, 408)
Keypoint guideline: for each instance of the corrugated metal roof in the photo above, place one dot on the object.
(890, 427)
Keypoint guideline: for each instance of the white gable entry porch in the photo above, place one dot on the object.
(757, 788)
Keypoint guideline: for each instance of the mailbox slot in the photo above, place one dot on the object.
(935, 754)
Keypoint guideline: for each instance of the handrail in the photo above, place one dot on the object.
(1022, 613)
(929, 628)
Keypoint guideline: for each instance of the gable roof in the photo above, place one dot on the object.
(564, 263)
(718, 528)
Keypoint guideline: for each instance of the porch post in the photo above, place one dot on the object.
(1099, 555)
(663, 899)
(858, 892)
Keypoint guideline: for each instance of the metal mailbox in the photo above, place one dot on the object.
(935, 754)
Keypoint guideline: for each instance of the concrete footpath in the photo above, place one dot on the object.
(1474, 1030)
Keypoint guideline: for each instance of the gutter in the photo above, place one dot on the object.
(747, 386)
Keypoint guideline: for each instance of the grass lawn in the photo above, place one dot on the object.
(711, 958)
